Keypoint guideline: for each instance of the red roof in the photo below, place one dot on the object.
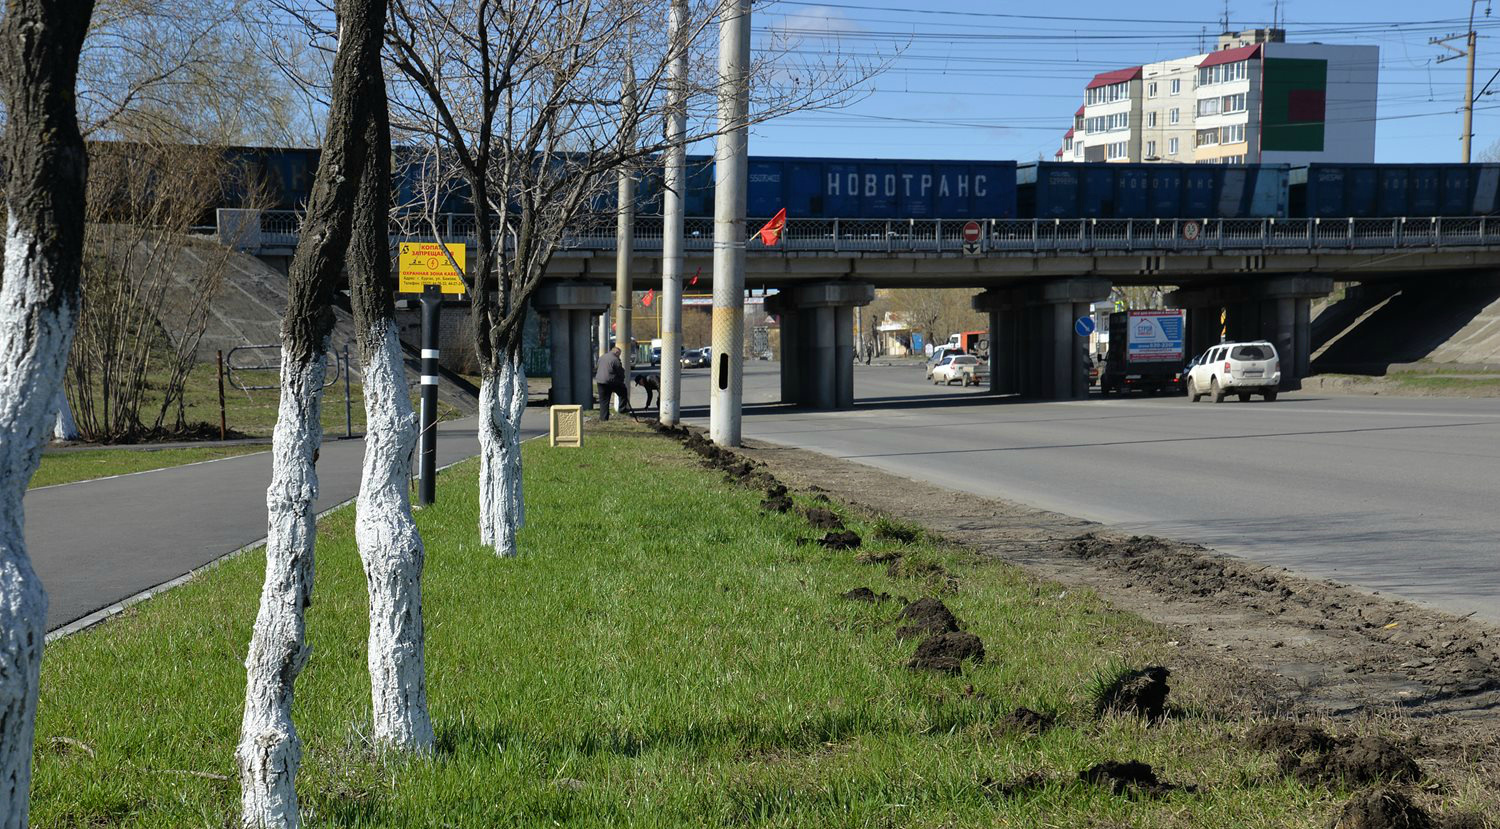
(1069, 133)
(1078, 113)
(1234, 55)
(1117, 76)
(1058, 154)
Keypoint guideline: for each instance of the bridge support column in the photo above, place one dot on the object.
(1277, 310)
(1059, 304)
(570, 308)
(1006, 309)
(817, 342)
(1291, 297)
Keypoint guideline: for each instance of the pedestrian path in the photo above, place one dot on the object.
(96, 543)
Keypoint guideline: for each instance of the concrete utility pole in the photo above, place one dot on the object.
(1471, 41)
(675, 181)
(731, 181)
(625, 240)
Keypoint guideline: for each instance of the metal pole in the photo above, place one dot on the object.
(348, 404)
(625, 241)
(674, 180)
(432, 299)
(223, 421)
(731, 180)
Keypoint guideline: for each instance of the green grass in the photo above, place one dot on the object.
(1441, 382)
(88, 464)
(664, 654)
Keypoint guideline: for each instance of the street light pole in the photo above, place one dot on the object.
(731, 180)
(669, 312)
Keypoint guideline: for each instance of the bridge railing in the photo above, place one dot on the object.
(999, 236)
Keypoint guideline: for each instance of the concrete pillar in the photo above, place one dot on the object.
(582, 369)
(998, 351)
(1061, 335)
(1032, 357)
(569, 306)
(1080, 353)
(562, 356)
(1286, 340)
(822, 376)
(1304, 336)
(843, 356)
(792, 346)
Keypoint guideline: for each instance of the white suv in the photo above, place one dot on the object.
(1239, 368)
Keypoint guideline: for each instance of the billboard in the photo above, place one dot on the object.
(1155, 337)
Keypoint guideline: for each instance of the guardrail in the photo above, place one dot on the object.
(1009, 236)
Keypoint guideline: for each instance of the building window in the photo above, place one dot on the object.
(1233, 134)
(1151, 149)
(1108, 94)
(1150, 119)
(1172, 115)
(1176, 86)
(1119, 149)
(1224, 73)
(1208, 137)
(1171, 146)
(1208, 106)
(1233, 103)
(1151, 90)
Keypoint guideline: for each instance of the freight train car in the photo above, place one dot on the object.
(272, 178)
(1322, 191)
(1063, 190)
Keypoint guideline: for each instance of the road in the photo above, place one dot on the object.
(148, 528)
(1396, 495)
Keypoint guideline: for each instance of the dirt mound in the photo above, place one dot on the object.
(823, 519)
(1127, 777)
(1015, 787)
(886, 530)
(777, 504)
(776, 491)
(946, 652)
(1026, 721)
(926, 617)
(1382, 809)
(1357, 762)
(865, 594)
(840, 540)
(1142, 693)
(1291, 737)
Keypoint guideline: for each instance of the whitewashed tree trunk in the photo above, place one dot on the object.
(64, 428)
(498, 471)
(391, 550)
(269, 751)
(521, 395)
(36, 330)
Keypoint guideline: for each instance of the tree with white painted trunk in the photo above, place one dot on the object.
(523, 102)
(45, 167)
(269, 752)
(389, 544)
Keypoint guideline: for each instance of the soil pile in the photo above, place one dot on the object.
(1289, 737)
(946, 652)
(1357, 762)
(840, 540)
(865, 594)
(823, 519)
(1382, 809)
(1129, 777)
(1026, 721)
(925, 617)
(1142, 693)
(779, 503)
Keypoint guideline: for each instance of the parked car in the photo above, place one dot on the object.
(1243, 369)
(939, 354)
(965, 369)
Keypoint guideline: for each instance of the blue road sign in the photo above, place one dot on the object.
(1084, 326)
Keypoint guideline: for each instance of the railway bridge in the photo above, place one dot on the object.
(1036, 276)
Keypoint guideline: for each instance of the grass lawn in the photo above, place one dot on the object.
(88, 464)
(663, 654)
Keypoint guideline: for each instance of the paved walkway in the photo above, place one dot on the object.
(95, 543)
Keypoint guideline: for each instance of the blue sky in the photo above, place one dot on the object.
(999, 79)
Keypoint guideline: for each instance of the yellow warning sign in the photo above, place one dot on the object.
(424, 263)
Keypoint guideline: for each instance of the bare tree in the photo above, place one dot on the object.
(45, 168)
(269, 751)
(389, 544)
(525, 101)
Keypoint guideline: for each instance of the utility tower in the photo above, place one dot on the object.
(1471, 40)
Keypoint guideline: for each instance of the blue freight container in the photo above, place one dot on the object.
(1064, 190)
(866, 188)
(1378, 190)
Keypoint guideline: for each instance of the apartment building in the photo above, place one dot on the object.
(1254, 99)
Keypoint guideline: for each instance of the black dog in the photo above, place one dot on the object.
(652, 384)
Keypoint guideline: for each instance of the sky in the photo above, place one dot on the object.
(1000, 79)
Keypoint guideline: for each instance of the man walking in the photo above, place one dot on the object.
(610, 375)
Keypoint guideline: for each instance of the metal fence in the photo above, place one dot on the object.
(1005, 236)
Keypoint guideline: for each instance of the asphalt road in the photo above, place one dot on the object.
(95, 543)
(1396, 495)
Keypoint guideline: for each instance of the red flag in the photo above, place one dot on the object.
(646, 300)
(771, 233)
(694, 280)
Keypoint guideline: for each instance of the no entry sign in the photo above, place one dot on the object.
(971, 239)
